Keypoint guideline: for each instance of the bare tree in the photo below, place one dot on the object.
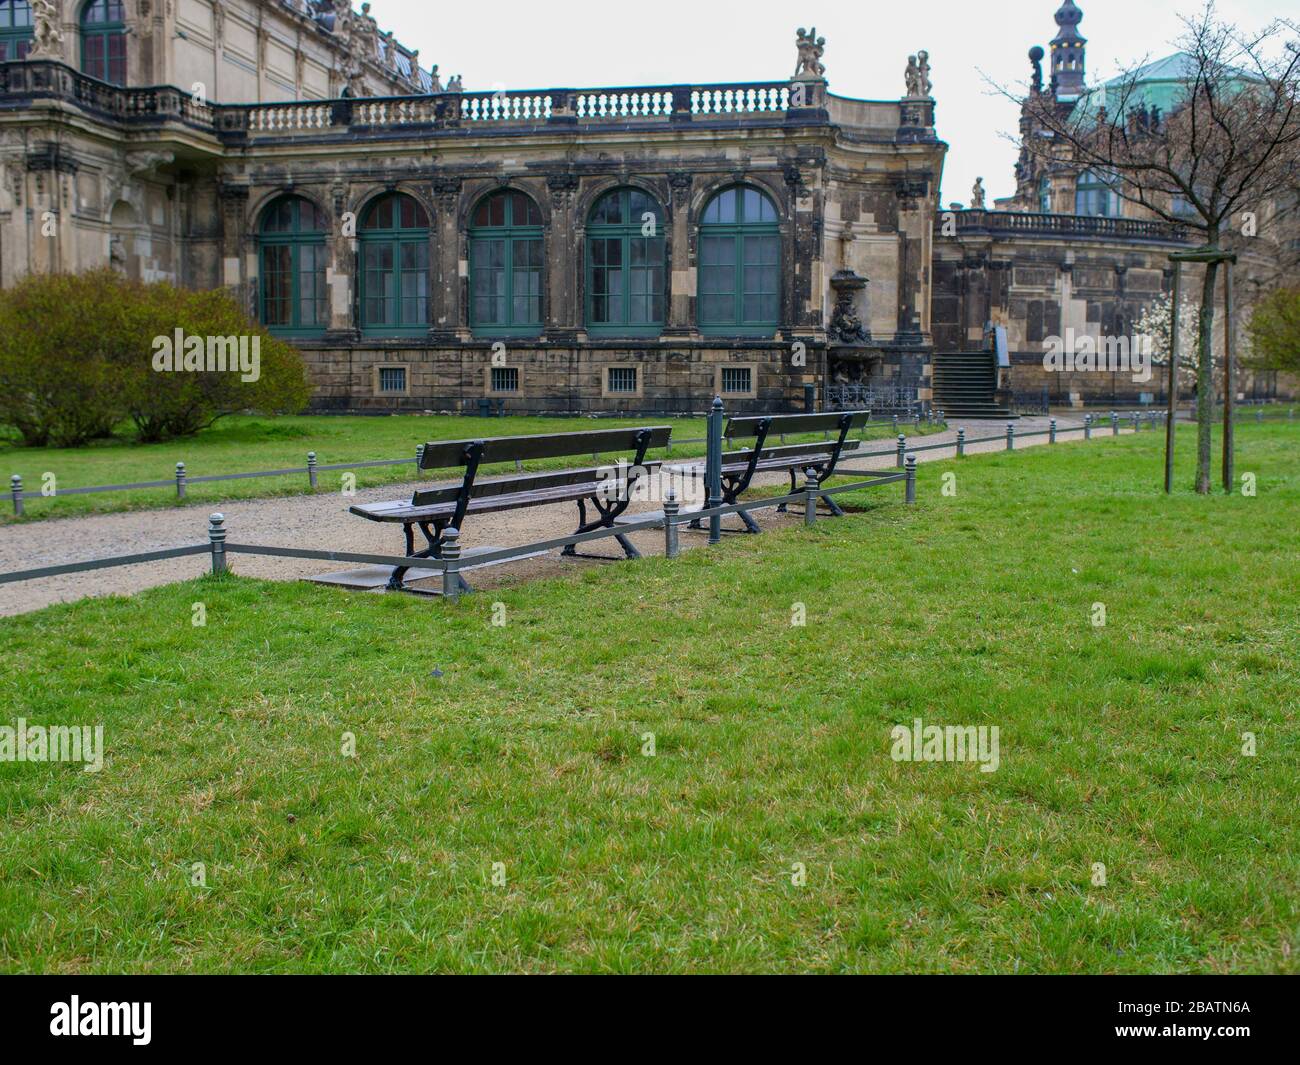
(1214, 162)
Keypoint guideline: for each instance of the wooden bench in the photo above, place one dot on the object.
(816, 460)
(434, 510)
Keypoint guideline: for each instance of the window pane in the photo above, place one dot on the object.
(608, 210)
(722, 209)
(277, 281)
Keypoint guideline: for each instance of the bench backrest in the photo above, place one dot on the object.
(834, 421)
(533, 482)
(441, 454)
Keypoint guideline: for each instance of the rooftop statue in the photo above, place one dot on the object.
(47, 38)
(810, 48)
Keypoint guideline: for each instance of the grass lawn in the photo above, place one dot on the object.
(1119, 745)
(240, 444)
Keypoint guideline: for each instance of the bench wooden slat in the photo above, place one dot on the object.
(795, 423)
(426, 510)
(775, 457)
(441, 454)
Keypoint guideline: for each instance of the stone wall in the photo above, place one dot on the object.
(1044, 285)
(555, 378)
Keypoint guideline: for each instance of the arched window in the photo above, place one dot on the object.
(505, 264)
(739, 263)
(15, 29)
(291, 240)
(1045, 194)
(625, 263)
(1095, 196)
(103, 41)
(394, 238)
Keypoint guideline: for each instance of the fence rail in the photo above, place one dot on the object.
(449, 565)
(182, 478)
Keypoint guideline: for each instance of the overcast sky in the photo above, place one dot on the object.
(533, 44)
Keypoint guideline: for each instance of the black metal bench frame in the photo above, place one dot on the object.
(820, 459)
(520, 491)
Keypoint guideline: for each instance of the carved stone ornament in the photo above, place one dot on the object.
(47, 38)
(847, 326)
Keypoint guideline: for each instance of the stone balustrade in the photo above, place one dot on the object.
(1026, 223)
(34, 79)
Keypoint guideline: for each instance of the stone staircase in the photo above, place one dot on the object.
(965, 384)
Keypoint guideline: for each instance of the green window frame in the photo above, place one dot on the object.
(505, 265)
(626, 256)
(1095, 197)
(393, 246)
(16, 30)
(739, 267)
(103, 41)
(293, 258)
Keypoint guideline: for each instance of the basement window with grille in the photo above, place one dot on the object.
(737, 379)
(505, 378)
(622, 379)
(392, 380)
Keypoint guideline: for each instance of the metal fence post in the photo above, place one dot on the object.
(909, 480)
(451, 557)
(311, 468)
(419, 458)
(217, 542)
(1259, 415)
(810, 497)
(895, 423)
(1114, 424)
(1011, 436)
(16, 489)
(1137, 422)
(1087, 426)
(1051, 432)
(672, 546)
(713, 468)
(961, 443)
(180, 480)
(901, 449)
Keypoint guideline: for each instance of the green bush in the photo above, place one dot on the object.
(63, 340)
(81, 353)
(1275, 331)
(164, 404)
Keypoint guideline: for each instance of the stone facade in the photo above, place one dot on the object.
(174, 184)
(166, 185)
(1040, 276)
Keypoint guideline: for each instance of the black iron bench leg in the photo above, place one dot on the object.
(571, 550)
(397, 578)
(751, 526)
(834, 507)
(794, 487)
(399, 572)
(605, 521)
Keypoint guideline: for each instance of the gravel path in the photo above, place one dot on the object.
(323, 522)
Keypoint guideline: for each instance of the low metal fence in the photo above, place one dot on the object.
(449, 565)
(181, 480)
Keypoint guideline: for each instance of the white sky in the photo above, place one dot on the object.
(535, 44)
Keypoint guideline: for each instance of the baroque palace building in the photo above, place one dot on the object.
(622, 249)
